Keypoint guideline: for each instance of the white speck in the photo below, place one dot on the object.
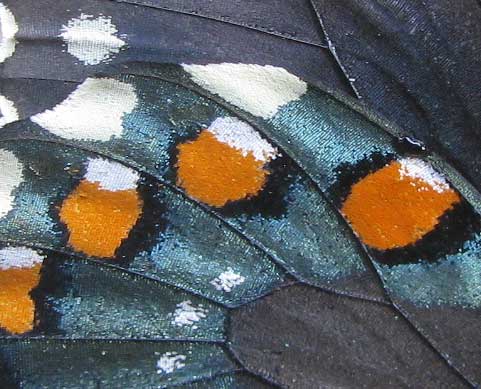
(417, 168)
(227, 280)
(8, 29)
(93, 111)
(10, 177)
(169, 362)
(91, 40)
(243, 137)
(8, 111)
(187, 314)
(19, 257)
(111, 175)
(259, 90)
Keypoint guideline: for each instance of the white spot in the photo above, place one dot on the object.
(169, 362)
(259, 90)
(227, 280)
(18, 257)
(10, 177)
(91, 40)
(8, 111)
(8, 29)
(418, 169)
(243, 137)
(93, 111)
(111, 175)
(187, 314)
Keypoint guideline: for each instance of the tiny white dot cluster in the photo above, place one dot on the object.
(169, 362)
(227, 281)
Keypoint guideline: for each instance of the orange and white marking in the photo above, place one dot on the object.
(226, 162)
(102, 210)
(19, 274)
(398, 204)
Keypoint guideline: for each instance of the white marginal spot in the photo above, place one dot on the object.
(187, 314)
(91, 40)
(169, 362)
(227, 280)
(418, 169)
(8, 29)
(8, 111)
(93, 111)
(19, 257)
(111, 175)
(259, 90)
(10, 177)
(243, 137)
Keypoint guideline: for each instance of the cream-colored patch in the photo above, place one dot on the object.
(19, 257)
(92, 40)
(94, 111)
(169, 362)
(243, 137)
(8, 29)
(8, 111)
(10, 177)
(111, 175)
(259, 90)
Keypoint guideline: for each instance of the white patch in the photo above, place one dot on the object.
(227, 280)
(10, 177)
(169, 362)
(8, 111)
(8, 29)
(93, 111)
(91, 40)
(18, 257)
(243, 137)
(187, 314)
(418, 169)
(111, 175)
(259, 90)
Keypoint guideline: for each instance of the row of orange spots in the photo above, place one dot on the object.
(19, 274)
(102, 210)
(398, 204)
(226, 162)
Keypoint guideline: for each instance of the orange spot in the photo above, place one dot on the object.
(98, 219)
(17, 309)
(389, 211)
(215, 173)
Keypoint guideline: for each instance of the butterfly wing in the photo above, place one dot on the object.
(416, 63)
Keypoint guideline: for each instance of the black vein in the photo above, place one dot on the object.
(224, 20)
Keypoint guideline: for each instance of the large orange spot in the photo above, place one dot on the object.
(17, 309)
(215, 173)
(389, 210)
(98, 219)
